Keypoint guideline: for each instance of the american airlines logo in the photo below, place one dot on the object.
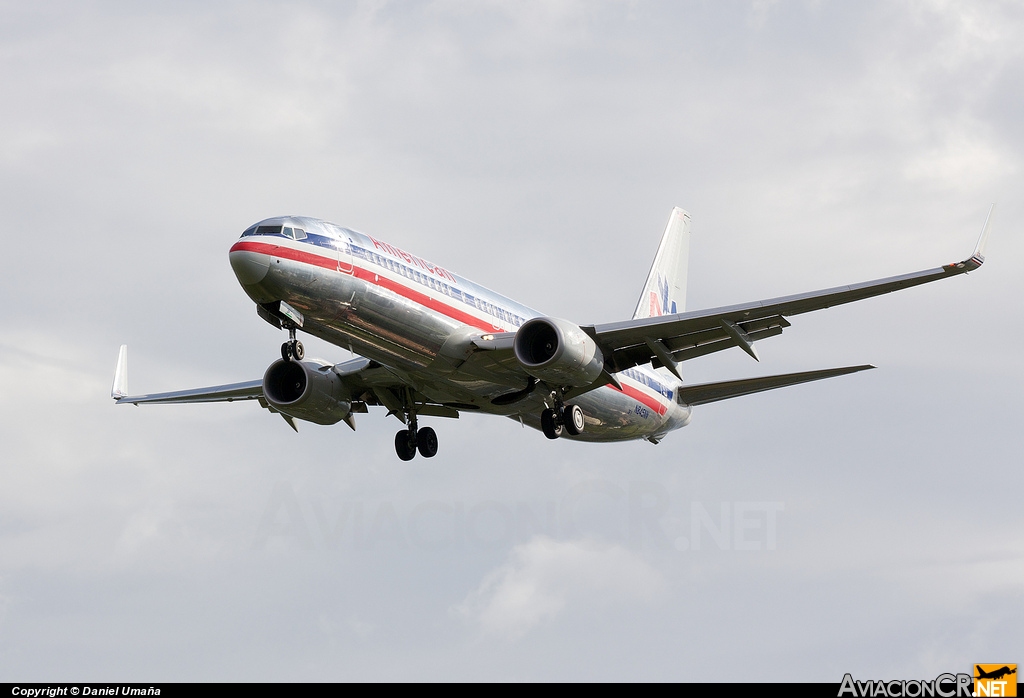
(660, 303)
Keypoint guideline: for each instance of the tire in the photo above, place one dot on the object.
(298, 350)
(573, 418)
(549, 425)
(404, 446)
(426, 442)
(286, 351)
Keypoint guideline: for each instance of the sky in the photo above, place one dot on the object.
(868, 524)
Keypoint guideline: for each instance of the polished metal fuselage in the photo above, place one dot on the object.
(420, 321)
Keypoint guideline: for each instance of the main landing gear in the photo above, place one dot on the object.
(292, 350)
(410, 440)
(561, 419)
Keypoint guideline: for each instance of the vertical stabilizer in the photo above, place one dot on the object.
(665, 290)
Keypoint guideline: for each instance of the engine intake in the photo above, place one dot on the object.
(558, 352)
(306, 390)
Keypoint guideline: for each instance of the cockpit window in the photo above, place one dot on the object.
(268, 230)
(300, 234)
(249, 231)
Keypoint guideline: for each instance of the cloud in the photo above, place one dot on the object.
(544, 577)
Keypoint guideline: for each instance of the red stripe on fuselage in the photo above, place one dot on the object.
(641, 396)
(413, 295)
(368, 276)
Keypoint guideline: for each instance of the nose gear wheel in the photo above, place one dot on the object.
(292, 350)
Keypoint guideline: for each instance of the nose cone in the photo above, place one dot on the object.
(250, 267)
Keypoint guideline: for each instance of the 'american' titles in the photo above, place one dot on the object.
(412, 259)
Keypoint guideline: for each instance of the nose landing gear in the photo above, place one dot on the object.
(292, 350)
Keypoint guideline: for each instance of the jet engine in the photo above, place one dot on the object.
(558, 352)
(306, 390)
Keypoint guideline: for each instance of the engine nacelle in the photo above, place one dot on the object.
(306, 390)
(558, 352)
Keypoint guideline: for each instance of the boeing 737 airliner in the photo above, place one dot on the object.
(431, 343)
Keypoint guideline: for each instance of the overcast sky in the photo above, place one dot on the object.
(867, 524)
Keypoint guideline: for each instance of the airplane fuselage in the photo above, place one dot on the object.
(420, 320)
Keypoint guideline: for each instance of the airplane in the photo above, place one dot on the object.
(430, 343)
(995, 674)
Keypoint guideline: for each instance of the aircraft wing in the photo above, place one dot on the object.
(369, 383)
(668, 339)
(713, 392)
(249, 390)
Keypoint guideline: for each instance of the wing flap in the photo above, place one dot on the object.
(713, 392)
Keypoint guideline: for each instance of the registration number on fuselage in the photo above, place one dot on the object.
(642, 411)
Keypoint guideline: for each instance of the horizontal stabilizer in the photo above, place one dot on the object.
(713, 392)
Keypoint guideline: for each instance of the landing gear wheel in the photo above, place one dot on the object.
(426, 442)
(293, 350)
(549, 424)
(405, 445)
(572, 415)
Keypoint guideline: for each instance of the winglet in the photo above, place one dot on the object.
(120, 387)
(978, 258)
